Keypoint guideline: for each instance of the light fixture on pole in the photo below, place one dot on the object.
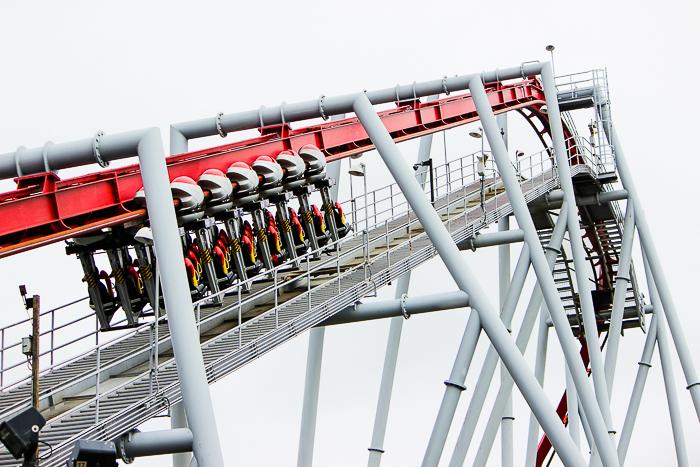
(358, 170)
(550, 49)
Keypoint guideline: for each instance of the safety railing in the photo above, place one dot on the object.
(594, 84)
(458, 179)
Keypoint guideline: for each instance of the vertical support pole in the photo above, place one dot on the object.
(467, 282)
(314, 360)
(178, 419)
(647, 241)
(178, 302)
(376, 449)
(622, 279)
(503, 282)
(544, 276)
(392, 347)
(667, 370)
(311, 391)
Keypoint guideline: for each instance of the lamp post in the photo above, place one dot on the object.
(550, 49)
(358, 170)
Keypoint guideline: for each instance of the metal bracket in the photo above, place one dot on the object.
(444, 85)
(647, 365)
(497, 79)
(96, 149)
(406, 315)
(691, 385)
(282, 112)
(18, 165)
(45, 154)
(121, 445)
(320, 107)
(413, 86)
(376, 450)
(397, 93)
(461, 387)
(221, 131)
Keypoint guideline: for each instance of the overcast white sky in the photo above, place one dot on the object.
(72, 68)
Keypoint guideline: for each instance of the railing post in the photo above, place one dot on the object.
(97, 387)
(53, 322)
(240, 330)
(2, 360)
(277, 311)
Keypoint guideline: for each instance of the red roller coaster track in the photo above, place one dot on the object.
(45, 210)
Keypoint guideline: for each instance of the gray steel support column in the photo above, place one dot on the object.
(533, 433)
(178, 302)
(376, 448)
(647, 241)
(178, 420)
(522, 340)
(489, 367)
(637, 391)
(476, 404)
(503, 282)
(311, 390)
(580, 264)
(667, 370)
(467, 281)
(622, 279)
(314, 359)
(539, 263)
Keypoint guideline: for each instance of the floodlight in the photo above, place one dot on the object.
(357, 170)
(20, 434)
(475, 134)
(550, 48)
(144, 235)
(519, 153)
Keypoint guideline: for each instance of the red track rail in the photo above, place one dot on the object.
(45, 210)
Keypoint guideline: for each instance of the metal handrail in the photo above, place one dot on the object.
(544, 163)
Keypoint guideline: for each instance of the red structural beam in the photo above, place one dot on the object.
(45, 210)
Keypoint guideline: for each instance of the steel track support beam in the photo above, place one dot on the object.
(178, 302)
(657, 271)
(467, 282)
(503, 283)
(622, 280)
(489, 367)
(667, 370)
(580, 264)
(539, 262)
(521, 341)
(482, 386)
(376, 448)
